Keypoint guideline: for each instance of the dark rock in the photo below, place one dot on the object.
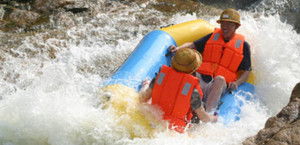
(23, 17)
(177, 6)
(295, 93)
(50, 5)
(284, 128)
(185, 6)
(24, 1)
(77, 10)
(237, 4)
(5, 2)
(64, 19)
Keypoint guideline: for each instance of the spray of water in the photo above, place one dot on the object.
(275, 54)
(50, 95)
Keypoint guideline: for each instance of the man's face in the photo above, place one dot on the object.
(228, 29)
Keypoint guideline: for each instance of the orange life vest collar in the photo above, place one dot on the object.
(222, 58)
(172, 92)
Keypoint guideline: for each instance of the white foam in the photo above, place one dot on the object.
(55, 101)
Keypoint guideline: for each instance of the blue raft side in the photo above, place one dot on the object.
(145, 61)
(230, 108)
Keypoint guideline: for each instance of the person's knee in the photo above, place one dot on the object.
(220, 80)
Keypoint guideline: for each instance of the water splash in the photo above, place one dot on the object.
(50, 80)
(275, 55)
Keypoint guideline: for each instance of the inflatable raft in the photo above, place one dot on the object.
(152, 52)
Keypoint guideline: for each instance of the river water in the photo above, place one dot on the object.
(50, 80)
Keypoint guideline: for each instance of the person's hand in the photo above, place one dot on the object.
(145, 92)
(145, 84)
(213, 118)
(173, 48)
(232, 86)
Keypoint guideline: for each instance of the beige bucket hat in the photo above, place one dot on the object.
(230, 15)
(186, 60)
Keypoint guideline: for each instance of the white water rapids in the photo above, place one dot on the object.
(47, 101)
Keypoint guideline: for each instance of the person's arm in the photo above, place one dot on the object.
(243, 78)
(145, 92)
(185, 45)
(198, 44)
(244, 68)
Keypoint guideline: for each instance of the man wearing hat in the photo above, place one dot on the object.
(178, 93)
(225, 55)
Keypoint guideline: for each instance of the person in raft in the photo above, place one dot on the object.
(226, 59)
(177, 92)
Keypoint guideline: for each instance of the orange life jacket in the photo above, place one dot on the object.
(222, 58)
(172, 92)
